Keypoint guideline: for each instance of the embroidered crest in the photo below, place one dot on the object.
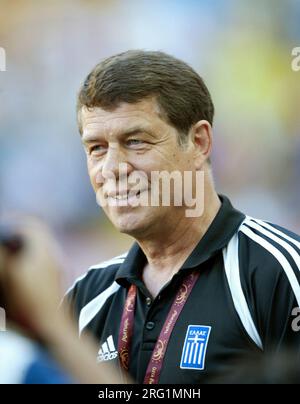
(194, 348)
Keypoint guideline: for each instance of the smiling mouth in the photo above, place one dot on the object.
(124, 196)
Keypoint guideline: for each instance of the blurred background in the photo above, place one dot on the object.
(242, 49)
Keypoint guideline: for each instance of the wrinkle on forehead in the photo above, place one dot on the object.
(144, 114)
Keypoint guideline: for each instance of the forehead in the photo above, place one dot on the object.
(144, 113)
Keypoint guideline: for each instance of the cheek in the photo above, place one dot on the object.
(93, 174)
(93, 182)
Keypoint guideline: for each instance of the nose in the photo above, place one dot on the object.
(115, 165)
(111, 162)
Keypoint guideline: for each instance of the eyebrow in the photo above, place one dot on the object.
(129, 132)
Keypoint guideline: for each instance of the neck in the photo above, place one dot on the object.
(167, 249)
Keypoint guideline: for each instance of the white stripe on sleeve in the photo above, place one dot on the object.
(89, 311)
(231, 264)
(277, 254)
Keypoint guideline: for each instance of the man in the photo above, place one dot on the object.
(196, 292)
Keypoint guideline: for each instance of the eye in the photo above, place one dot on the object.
(134, 142)
(97, 149)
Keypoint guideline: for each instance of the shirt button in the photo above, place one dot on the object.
(150, 325)
(148, 301)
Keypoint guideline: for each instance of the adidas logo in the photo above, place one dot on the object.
(107, 352)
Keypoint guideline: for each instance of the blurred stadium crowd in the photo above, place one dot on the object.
(241, 49)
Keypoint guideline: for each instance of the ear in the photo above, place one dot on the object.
(201, 134)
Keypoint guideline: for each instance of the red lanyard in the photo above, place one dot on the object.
(127, 323)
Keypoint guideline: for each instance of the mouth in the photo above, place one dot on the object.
(126, 198)
(121, 195)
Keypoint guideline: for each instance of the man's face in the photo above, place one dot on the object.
(138, 137)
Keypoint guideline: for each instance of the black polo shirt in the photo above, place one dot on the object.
(241, 304)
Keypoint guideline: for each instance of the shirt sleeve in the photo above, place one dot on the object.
(270, 278)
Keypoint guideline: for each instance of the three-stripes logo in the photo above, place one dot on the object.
(108, 351)
(194, 348)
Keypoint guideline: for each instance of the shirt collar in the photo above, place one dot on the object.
(222, 228)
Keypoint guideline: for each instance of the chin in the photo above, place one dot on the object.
(129, 228)
(130, 224)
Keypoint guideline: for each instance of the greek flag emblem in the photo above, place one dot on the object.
(194, 348)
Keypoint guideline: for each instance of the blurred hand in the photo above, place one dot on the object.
(31, 282)
(30, 278)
